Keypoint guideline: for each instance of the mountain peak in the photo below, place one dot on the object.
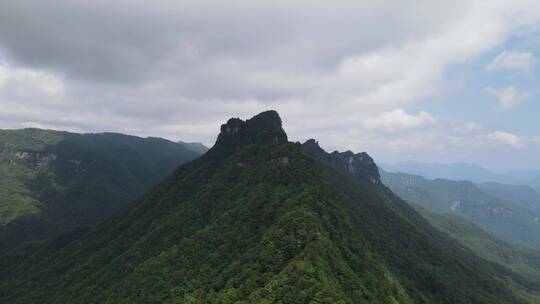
(313, 146)
(270, 223)
(264, 127)
(360, 165)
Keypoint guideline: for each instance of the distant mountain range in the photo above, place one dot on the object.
(509, 212)
(442, 202)
(195, 147)
(520, 259)
(466, 171)
(52, 182)
(259, 219)
(520, 195)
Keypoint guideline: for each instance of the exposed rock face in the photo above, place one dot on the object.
(284, 161)
(360, 165)
(29, 156)
(263, 128)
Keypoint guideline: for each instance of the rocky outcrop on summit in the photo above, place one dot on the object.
(262, 128)
(359, 165)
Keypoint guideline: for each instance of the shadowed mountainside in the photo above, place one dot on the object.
(258, 219)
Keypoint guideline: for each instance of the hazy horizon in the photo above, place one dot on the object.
(379, 163)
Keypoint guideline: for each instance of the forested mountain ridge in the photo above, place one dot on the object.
(258, 219)
(521, 195)
(516, 221)
(53, 182)
(436, 201)
(466, 172)
(520, 259)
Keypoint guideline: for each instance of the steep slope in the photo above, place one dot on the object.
(53, 182)
(520, 259)
(395, 231)
(260, 220)
(506, 220)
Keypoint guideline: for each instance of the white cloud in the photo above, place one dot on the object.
(508, 97)
(505, 138)
(178, 68)
(46, 84)
(472, 126)
(512, 60)
(398, 120)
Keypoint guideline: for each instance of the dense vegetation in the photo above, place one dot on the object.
(521, 195)
(516, 221)
(55, 182)
(260, 220)
(401, 236)
(520, 259)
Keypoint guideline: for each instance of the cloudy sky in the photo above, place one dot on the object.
(439, 81)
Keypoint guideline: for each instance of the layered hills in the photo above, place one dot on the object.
(521, 259)
(258, 219)
(510, 213)
(52, 182)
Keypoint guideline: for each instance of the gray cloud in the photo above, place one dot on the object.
(132, 40)
(179, 68)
